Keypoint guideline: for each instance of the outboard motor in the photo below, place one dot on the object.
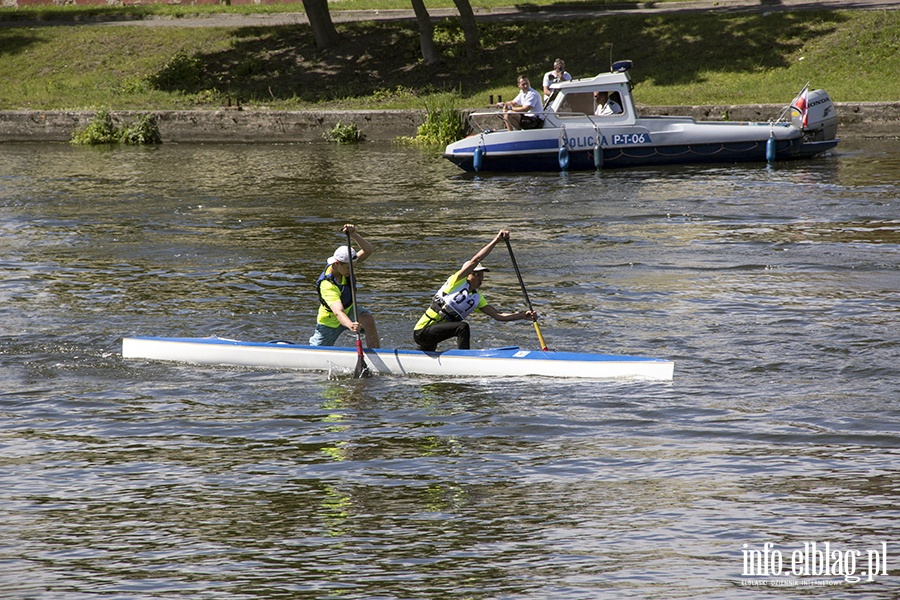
(818, 119)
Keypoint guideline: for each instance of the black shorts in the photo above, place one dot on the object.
(429, 337)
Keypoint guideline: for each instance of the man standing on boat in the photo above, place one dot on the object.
(558, 73)
(456, 300)
(336, 297)
(526, 111)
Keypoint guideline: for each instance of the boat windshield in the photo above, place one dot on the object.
(575, 104)
(578, 104)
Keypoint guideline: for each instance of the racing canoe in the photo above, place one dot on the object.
(497, 362)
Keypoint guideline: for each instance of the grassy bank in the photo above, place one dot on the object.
(679, 59)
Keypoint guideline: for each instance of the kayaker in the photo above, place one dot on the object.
(335, 297)
(457, 299)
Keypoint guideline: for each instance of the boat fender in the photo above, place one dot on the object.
(598, 151)
(598, 157)
(770, 148)
(564, 158)
(478, 158)
(563, 150)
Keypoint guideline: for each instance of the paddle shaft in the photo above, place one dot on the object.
(537, 328)
(361, 367)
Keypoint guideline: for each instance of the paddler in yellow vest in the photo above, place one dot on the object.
(457, 299)
(336, 299)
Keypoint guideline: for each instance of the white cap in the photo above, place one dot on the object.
(480, 268)
(342, 255)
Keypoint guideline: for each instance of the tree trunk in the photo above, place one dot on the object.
(320, 21)
(469, 27)
(426, 33)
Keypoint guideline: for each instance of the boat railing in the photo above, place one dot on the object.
(485, 121)
(594, 120)
(492, 120)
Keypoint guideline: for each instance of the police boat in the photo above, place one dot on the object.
(574, 138)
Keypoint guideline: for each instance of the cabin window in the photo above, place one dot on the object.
(580, 102)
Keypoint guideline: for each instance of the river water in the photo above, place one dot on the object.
(775, 289)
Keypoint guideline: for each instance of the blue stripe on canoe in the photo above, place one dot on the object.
(507, 352)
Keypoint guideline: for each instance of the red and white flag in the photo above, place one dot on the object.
(801, 104)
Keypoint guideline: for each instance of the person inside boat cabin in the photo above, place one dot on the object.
(457, 299)
(336, 297)
(606, 104)
(558, 73)
(526, 111)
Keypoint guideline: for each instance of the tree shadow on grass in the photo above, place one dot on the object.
(675, 49)
(12, 43)
(282, 63)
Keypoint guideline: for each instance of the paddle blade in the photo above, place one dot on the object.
(540, 337)
(362, 369)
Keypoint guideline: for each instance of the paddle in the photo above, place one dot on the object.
(361, 370)
(525, 292)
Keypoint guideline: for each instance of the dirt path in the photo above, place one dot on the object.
(504, 13)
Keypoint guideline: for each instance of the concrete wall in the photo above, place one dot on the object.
(227, 125)
(855, 119)
(870, 119)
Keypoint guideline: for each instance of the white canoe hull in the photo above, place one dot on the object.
(500, 362)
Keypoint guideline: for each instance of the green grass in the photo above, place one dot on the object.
(678, 59)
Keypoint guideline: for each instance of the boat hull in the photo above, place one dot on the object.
(543, 155)
(499, 362)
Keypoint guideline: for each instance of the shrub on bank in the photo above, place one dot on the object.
(344, 134)
(102, 130)
(443, 123)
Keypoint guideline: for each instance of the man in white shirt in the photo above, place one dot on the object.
(606, 106)
(558, 73)
(526, 110)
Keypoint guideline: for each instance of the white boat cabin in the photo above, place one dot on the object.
(574, 100)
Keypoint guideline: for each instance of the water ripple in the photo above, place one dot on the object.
(775, 290)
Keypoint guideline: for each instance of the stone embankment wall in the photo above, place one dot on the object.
(209, 126)
(869, 119)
